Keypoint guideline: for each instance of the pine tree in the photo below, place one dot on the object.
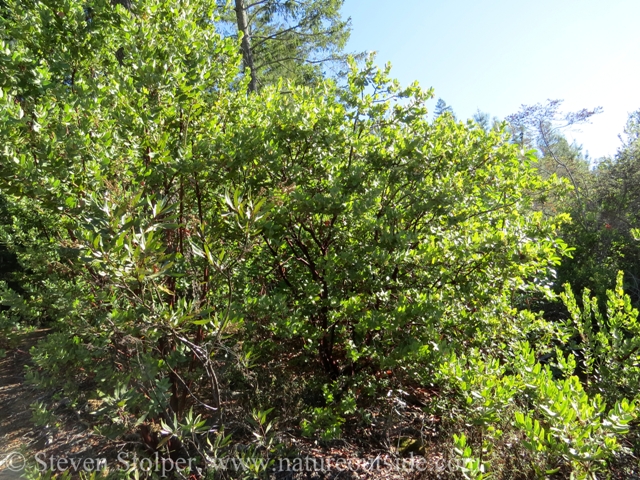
(442, 107)
(285, 38)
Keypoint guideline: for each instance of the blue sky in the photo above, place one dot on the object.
(496, 55)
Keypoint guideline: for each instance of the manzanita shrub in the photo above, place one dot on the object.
(605, 344)
(190, 239)
(567, 416)
(114, 115)
(391, 240)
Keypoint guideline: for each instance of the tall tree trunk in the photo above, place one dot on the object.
(247, 54)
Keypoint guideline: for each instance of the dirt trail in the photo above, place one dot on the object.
(17, 432)
(19, 437)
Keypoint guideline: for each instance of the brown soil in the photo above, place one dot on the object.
(19, 437)
(70, 436)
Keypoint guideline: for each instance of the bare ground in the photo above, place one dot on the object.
(20, 439)
(71, 437)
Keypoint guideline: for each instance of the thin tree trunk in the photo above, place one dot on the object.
(247, 54)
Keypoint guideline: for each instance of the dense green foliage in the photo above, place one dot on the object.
(603, 201)
(205, 255)
(611, 205)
